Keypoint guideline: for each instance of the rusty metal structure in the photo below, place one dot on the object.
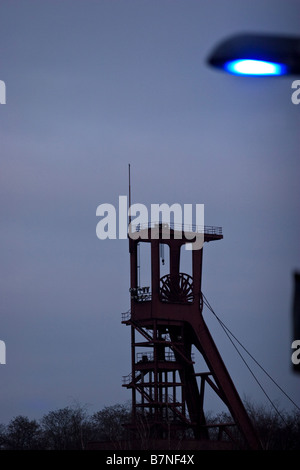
(166, 323)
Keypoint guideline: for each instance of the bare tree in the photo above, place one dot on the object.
(109, 423)
(66, 428)
(277, 429)
(22, 434)
(72, 428)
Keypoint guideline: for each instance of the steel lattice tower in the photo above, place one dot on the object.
(166, 322)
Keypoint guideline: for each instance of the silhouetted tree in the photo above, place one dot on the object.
(278, 430)
(22, 434)
(72, 428)
(108, 424)
(66, 428)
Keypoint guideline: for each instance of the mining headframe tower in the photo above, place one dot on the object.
(166, 322)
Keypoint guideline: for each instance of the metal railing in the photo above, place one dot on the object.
(149, 357)
(126, 315)
(206, 229)
(127, 379)
(141, 294)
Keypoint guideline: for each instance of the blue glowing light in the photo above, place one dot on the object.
(255, 67)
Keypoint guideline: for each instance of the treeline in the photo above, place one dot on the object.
(72, 428)
(69, 428)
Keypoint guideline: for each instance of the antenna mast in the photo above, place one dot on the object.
(129, 194)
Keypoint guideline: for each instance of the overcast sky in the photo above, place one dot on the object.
(92, 85)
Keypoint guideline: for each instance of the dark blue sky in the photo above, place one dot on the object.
(93, 86)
